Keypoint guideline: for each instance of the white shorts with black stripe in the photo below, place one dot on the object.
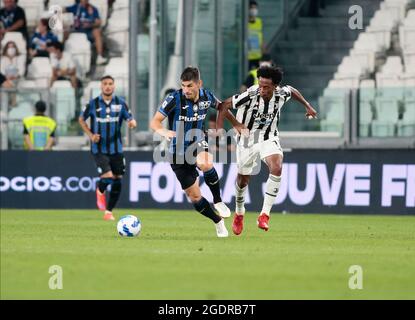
(247, 156)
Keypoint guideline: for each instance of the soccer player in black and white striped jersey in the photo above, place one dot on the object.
(259, 110)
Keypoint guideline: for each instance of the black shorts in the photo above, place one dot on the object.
(187, 173)
(110, 162)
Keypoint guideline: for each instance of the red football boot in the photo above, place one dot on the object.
(238, 224)
(263, 220)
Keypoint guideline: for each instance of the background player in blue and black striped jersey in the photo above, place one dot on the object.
(107, 113)
(186, 110)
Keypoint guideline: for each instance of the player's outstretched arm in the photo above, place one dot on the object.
(157, 126)
(310, 111)
(224, 112)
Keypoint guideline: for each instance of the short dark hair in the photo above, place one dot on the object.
(40, 106)
(57, 45)
(273, 73)
(107, 77)
(253, 3)
(190, 74)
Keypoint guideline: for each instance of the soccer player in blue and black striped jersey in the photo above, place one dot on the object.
(186, 110)
(107, 113)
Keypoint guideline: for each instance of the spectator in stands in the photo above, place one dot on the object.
(41, 39)
(63, 65)
(12, 63)
(252, 78)
(87, 20)
(4, 83)
(256, 45)
(39, 130)
(12, 18)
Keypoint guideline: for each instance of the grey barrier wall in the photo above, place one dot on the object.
(313, 181)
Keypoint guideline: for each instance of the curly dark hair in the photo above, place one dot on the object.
(273, 73)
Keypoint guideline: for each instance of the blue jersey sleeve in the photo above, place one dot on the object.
(96, 14)
(168, 105)
(212, 98)
(86, 111)
(125, 112)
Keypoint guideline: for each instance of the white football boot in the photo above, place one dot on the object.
(222, 209)
(221, 230)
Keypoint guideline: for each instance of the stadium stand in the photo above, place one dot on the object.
(38, 72)
(375, 67)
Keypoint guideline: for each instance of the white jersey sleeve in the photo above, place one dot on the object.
(286, 92)
(243, 99)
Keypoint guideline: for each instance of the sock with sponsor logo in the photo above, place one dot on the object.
(240, 199)
(114, 194)
(271, 191)
(212, 180)
(204, 208)
(103, 184)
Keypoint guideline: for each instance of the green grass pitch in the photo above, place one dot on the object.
(178, 256)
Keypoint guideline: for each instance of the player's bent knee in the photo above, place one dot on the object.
(194, 196)
(243, 181)
(206, 166)
(276, 170)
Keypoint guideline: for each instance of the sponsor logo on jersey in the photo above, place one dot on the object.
(191, 119)
(116, 107)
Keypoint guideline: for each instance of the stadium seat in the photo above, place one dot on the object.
(390, 73)
(14, 123)
(332, 106)
(118, 69)
(387, 114)
(395, 7)
(350, 83)
(61, 3)
(409, 57)
(33, 10)
(92, 90)
(350, 68)
(80, 49)
(367, 95)
(64, 100)
(117, 31)
(406, 126)
(381, 26)
(120, 4)
(365, 49)
(40, 70)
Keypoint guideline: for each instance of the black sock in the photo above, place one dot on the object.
(212, 180)
(114, 194)
(204, 208)
(103, 183)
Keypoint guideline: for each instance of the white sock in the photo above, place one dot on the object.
(240, 199)
(271, 191)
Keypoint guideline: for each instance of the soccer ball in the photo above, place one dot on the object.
(129, 226)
